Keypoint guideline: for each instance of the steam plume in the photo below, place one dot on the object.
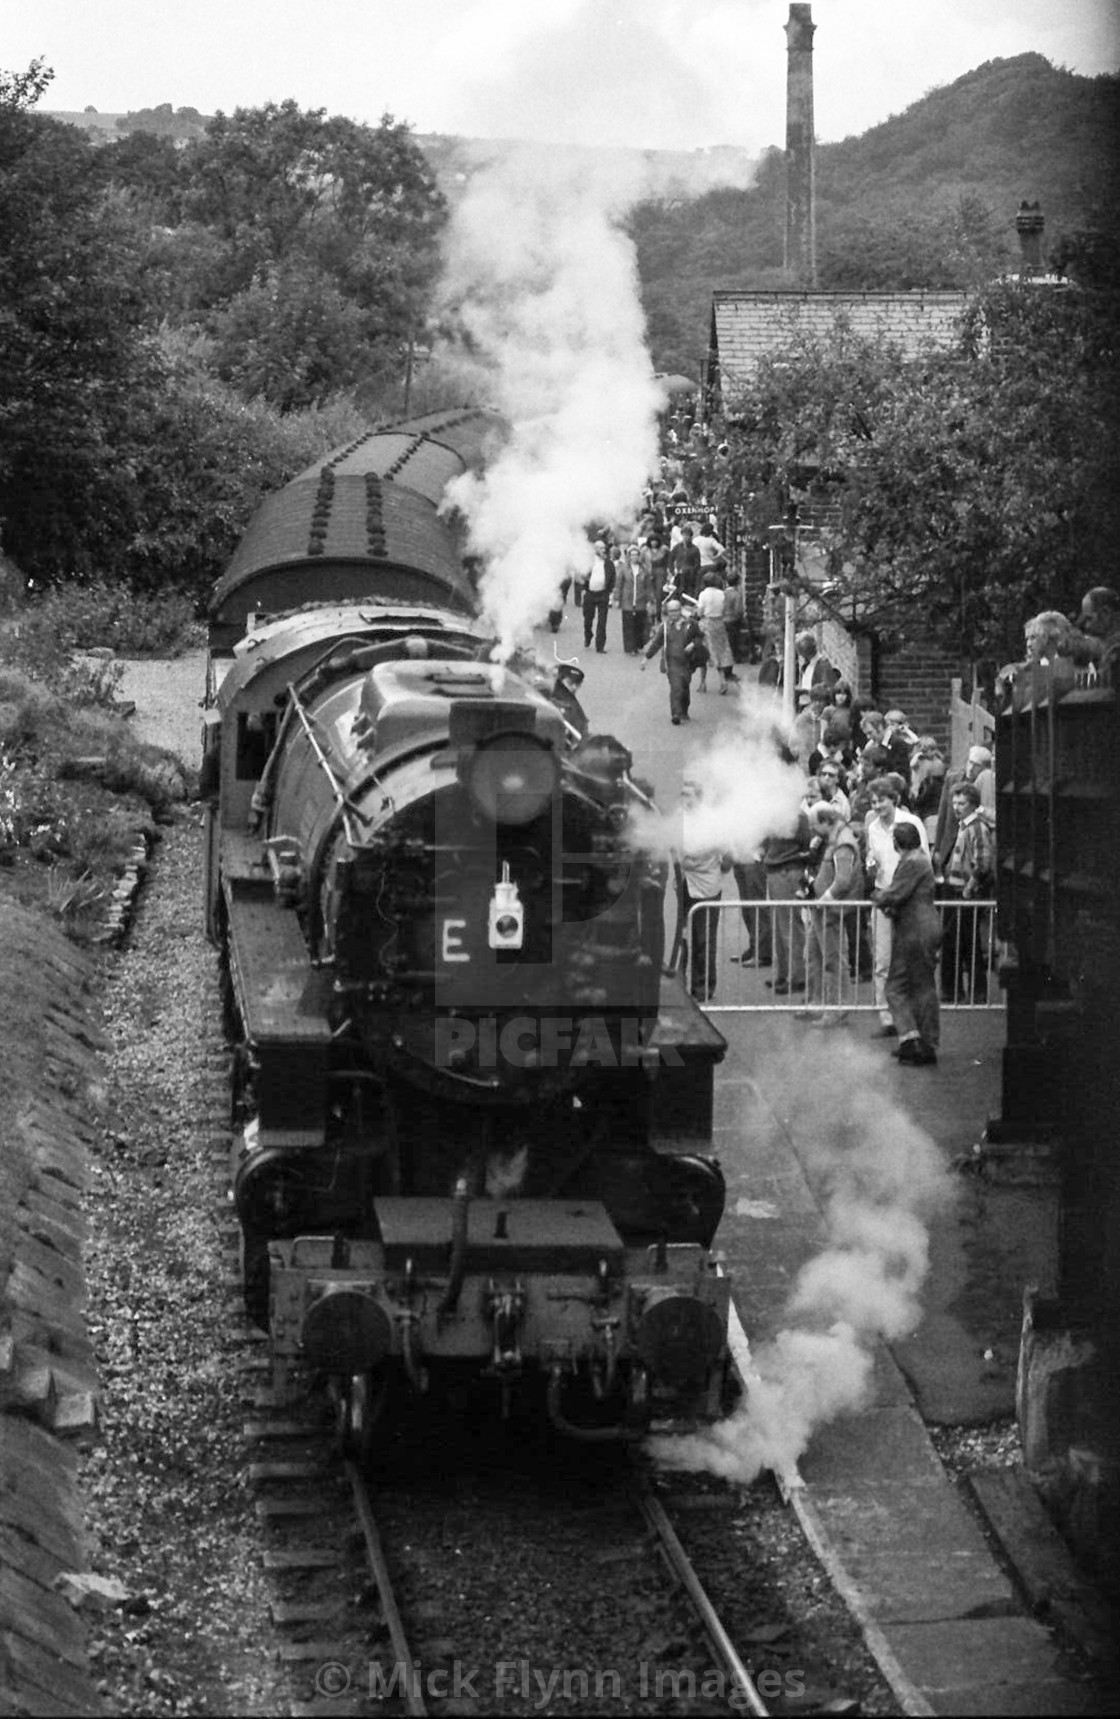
(543, 285)
(747, 791)
(879, 1178)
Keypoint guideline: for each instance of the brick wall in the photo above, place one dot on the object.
(915, 678)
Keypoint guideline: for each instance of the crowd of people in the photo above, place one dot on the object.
(884, 821)
(674, 554)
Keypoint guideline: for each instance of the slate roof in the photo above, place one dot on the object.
(747, 326)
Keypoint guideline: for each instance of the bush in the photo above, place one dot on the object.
(76, 792)
(76, 902)
(92, 615)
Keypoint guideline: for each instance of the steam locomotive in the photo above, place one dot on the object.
(470, 1110)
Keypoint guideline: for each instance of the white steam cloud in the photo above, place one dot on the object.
(543, 284)
(880, 1178)
(876, 1173)
(747, 791)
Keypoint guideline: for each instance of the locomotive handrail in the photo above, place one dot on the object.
(342, 799)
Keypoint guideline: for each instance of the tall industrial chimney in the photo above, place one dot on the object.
(801, 190)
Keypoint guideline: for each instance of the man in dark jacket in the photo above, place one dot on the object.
(785, 858)
(684, 559)
(813, 669)
(676, 636)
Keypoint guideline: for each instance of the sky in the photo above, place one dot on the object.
(669, 74)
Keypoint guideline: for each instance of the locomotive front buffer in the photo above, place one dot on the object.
(623, 1338)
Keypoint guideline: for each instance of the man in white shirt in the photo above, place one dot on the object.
(712, 552)
(881, 859)
(597, 596)
(701, 870)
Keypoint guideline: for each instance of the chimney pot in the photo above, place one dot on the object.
(1030, 224)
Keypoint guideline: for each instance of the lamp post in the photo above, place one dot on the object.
(783, 565)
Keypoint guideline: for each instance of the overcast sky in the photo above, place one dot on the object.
(674, 74)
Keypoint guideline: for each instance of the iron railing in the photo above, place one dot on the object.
(832, 955)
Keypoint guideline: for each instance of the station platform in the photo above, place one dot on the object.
(950, 1626)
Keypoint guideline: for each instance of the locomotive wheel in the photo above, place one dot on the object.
(361, 1402)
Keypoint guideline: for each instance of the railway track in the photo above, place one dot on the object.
(741, 1684)
(337, 1556)
(512, 1564)
(394, 1600)
(320, 1515)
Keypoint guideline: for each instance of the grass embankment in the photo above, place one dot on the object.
(76, 788)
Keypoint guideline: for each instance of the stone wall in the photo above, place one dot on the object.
(49, 1077)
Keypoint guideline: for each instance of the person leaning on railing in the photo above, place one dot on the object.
(1099, 622)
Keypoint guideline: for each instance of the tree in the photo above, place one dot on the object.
(978, 484)
(864, 252)
(291, 338)
(160, 121)
(72, 351)
(306, 246)
(199, 462)
(148, 169)
(21, 90)
(275, 183)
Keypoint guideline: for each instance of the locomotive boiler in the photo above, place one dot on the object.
(470, 1109)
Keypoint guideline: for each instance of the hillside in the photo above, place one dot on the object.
(927, 199)
(665, 172)
(181, 124)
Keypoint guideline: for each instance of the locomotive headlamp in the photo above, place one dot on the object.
(507, 914)
(512, 778)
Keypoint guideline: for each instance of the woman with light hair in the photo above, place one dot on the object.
(709, 612)
(927, 780)
(1048, 635)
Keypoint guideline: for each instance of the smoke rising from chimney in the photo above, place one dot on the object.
(542, 284)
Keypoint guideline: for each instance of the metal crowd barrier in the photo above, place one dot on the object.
(835, 942)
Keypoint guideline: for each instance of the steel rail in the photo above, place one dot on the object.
(414, 1699)
(745, 1695)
